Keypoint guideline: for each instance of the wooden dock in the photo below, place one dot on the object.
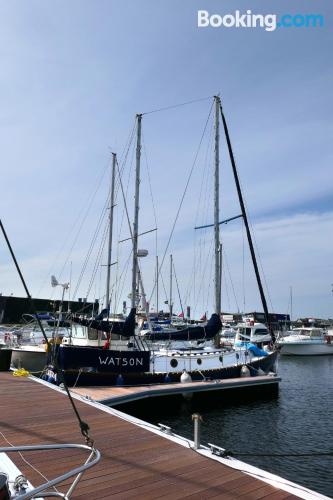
(119, 395)
(137, 462)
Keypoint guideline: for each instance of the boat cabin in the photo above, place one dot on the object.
(254, 333)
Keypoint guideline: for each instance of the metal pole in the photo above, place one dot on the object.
(216, 208)
(247, 227)
(107, 294)
(170, 297)
(197, 419)
(136, 212)
(157, 305)
(220, 277)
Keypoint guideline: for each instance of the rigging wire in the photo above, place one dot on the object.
(120, 174)
(178, 290)
(124, 276)
(150, 185)
(210, 281)
(226, 287)
(164, 288)
(84, 427)
(205, 266)
(184, 193)
(27, 461)
(177, 105)
(88, 207)
(91, 247)
(229, 274)
(243, 263)
(202, 239)
(257, 251)
(98, 258)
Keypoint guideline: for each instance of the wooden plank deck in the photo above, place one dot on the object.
(122, 394)
(136, 463)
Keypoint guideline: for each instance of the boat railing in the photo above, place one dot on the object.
(140, 343)
(93, 458)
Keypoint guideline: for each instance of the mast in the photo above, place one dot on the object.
(217, 273)
(248, 233)
(107, 294)
(136, 212)
(157, 285)
(170, 297)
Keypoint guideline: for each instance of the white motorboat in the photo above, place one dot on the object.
(251, 333)
(306, 341)
(227, 335)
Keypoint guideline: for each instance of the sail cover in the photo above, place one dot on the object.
(196, 332)
(125, 328)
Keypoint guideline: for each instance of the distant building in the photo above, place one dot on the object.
(277, 321)
(12, 308)
(317, 322)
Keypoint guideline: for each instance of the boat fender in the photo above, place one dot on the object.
(106, 344)
(328, 339)
(167, 379)
(120, 380)
(245, 372)
(185, 377)
(51, 377)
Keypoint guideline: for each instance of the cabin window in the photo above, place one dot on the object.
(199, 361)
(261, 331)
(77, 332)
(174, 363)
(92, 334)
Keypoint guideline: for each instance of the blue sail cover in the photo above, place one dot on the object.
(255, 350)
(125, 328)
(196, 332)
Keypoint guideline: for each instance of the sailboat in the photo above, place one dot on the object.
(131, 359)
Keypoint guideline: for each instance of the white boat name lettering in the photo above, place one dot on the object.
(115, 361)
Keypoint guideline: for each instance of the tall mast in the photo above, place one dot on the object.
(217, 209)
(247, 227)
(157, 291)
(136, 212)
(107, 295)
(170, 297)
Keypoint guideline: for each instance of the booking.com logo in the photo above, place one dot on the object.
(267, 21)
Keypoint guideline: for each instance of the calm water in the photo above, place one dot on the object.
(299, 419)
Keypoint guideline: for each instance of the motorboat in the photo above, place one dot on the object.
(227, 335)
(251, 333)
(306, 341)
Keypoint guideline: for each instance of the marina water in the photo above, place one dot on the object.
(298, 420)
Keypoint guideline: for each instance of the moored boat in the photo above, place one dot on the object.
(306, 341)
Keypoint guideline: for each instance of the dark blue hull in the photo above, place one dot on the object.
(120, 372)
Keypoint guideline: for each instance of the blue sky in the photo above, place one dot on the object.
(73, 75)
